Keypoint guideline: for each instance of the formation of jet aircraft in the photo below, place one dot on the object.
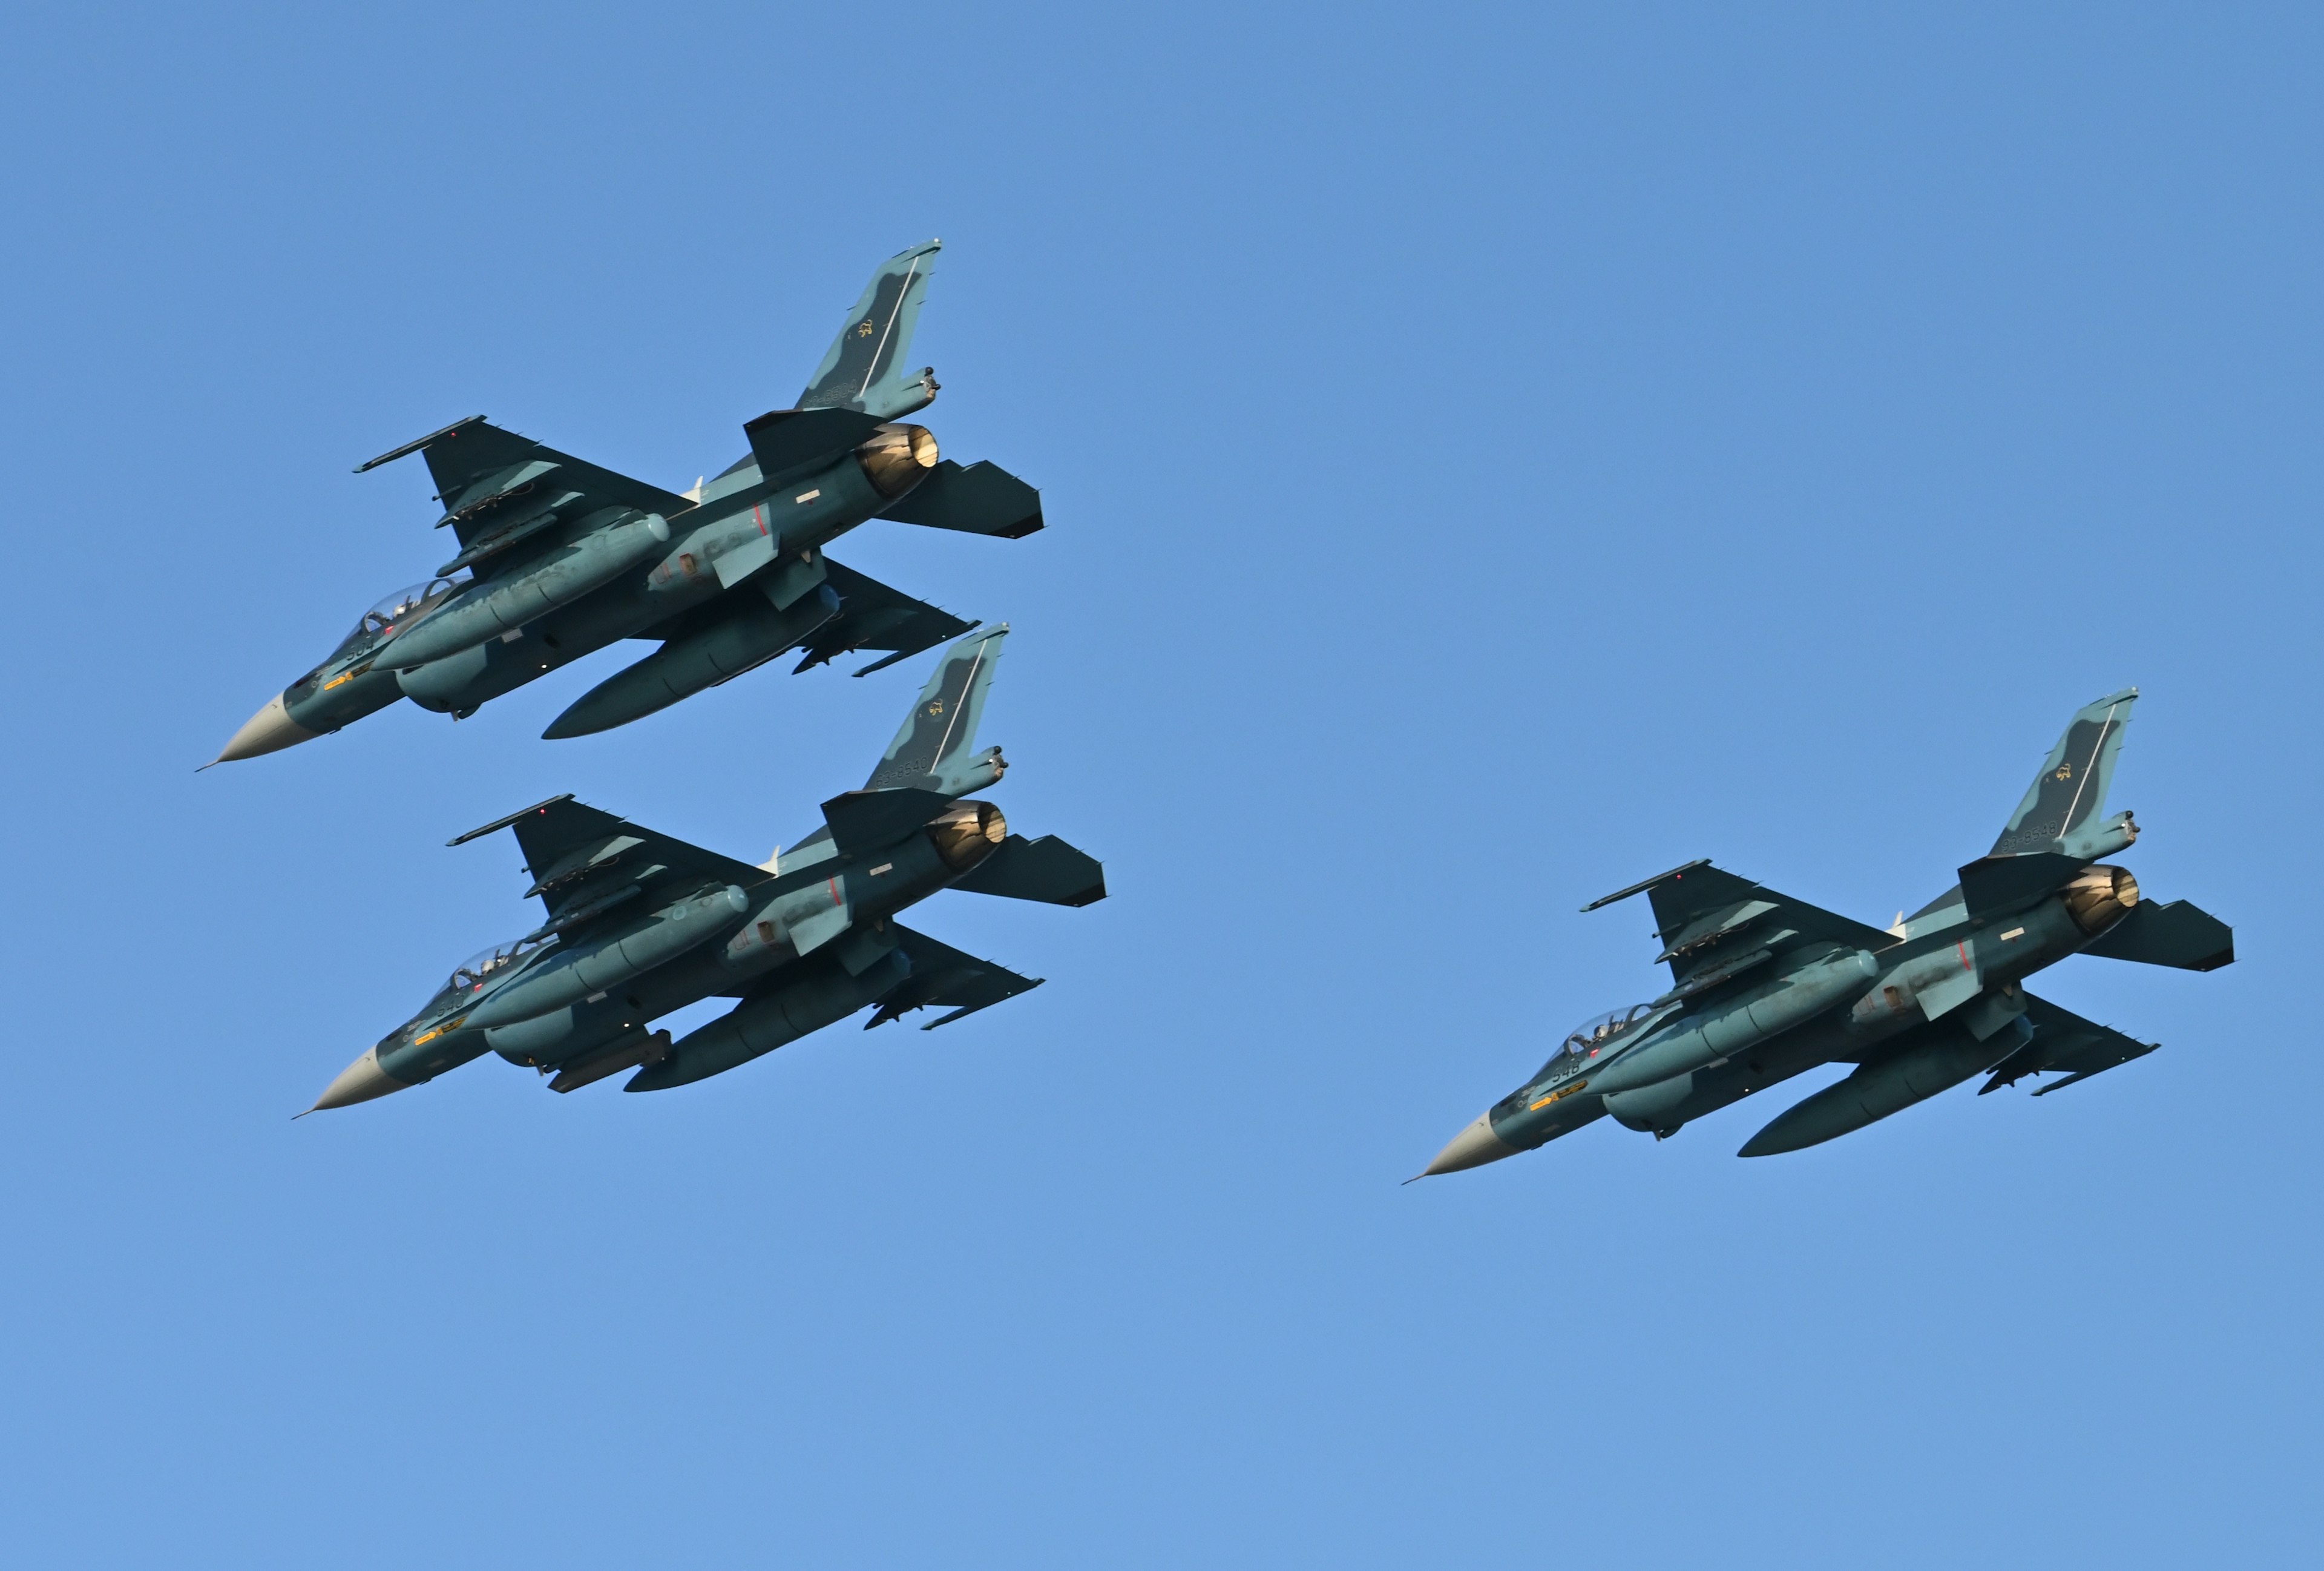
(558, 558)
(1764, 986)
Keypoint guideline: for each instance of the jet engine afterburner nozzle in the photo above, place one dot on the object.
(2100, 897)
(966, 833)
(898, 458)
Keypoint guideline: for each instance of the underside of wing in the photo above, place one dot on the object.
(1716, 928)
(586, 864)
(947, 978)
(872, 617)
(2064, 1042)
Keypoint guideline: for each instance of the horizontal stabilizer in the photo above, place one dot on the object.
(2180, 934)
(1047, 870)
(786, 441)
(984, 498)
(864, 820)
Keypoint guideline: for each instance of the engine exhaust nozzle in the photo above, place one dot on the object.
(2100, 897)
(898, 458)
(966, 833)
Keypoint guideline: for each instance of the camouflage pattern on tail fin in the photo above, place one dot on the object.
(2072, 789)
(862, 369)
(931, 751)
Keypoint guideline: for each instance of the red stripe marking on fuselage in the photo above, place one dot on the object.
(1961, 948)
(758, 519)
(835, 890)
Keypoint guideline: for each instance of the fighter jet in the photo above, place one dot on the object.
(558, 558)
(639, 924)
(1764, 986)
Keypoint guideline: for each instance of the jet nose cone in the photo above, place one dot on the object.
(271, 730)
(361, 1081)
(1473, 1147)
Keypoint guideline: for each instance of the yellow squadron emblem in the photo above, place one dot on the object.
(2065, 772)
(863, 329)
(935, 709)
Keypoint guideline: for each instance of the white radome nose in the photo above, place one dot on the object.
(1473, 1147)
(361, 1081)
(270, 730)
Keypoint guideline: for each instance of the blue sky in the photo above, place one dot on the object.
(1491, 456)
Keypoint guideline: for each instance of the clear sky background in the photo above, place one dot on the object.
(1491, 456)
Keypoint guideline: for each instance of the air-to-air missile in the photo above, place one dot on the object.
(639, 924)
(1763, 986)
(558, 558)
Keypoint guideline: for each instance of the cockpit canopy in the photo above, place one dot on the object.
(469, 977)
(398, 611)
(1594, 1036)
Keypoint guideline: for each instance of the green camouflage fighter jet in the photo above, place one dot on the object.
(640, 924)
(560, 558)
(1763, 986)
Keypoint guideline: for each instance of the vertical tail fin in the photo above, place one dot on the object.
(862, 369)
(931, 751)
(2070, 792)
